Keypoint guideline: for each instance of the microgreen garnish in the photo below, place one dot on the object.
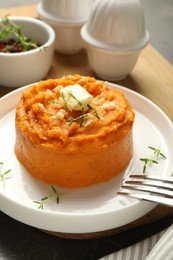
(20, 41)
(3, 174)
(79, 118)
(54, 101)
(157, 152)
(65, 102)
(94, 110)
(153, 159)
(44, 48)
(43, 200)
(80, 104)
(147, 161)
(41, 203)
(83, 116)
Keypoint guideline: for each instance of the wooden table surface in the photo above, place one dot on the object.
(151, 77)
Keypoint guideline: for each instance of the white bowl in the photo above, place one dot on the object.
(66, 17)
(68, 39)
(111, 65)
(114, 35)
(18, 69)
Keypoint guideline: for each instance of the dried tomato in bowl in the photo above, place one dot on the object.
(12, 40)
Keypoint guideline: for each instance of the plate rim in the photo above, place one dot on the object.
(148, 206)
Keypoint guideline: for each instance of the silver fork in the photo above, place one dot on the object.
(158, 189)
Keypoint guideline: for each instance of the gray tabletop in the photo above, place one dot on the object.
(21, 242)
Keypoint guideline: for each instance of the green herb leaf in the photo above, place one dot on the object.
(54, 101)
(44, 48)
(65, 102)
(153, 159)
(9, 29)
(82, 117)
(80, 104)
(70, 120)
(157, 152)
(94, 110)
(82, 120)
(53, 188)
(57, 199)
(3, 174)
(45, 199)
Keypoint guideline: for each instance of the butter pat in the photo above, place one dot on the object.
(76, 97)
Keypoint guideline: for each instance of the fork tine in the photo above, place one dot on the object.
(152, 183)
(149, 197)
(153, 177)
(158, 189)
(151, 189)
(165, 182)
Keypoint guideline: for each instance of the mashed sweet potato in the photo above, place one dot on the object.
(73, 148)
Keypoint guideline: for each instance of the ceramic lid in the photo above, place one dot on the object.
(66, 11)
(116, 24)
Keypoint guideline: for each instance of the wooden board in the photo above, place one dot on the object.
(158, 213)
(152, 77)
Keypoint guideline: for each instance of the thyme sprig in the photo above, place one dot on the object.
(157, 152)
(45, 199)
(94, 110)
(147, 161)
(80, 104)
(79, 118)
(82, 117)
(3, 174)
(65, 102)
(54, 101)
(153, 159)
(9, 28)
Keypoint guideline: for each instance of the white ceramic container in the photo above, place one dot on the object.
(68, 39)
(67, 11)
(115, 34)
(66, 17)
(18, 69)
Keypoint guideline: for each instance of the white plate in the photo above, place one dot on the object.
(93, 209)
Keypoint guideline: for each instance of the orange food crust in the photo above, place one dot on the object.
(76, 155)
